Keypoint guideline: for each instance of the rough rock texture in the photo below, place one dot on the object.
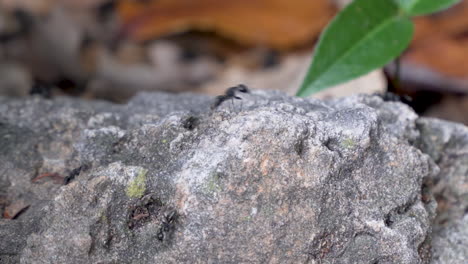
(163, 179)
(447, 144)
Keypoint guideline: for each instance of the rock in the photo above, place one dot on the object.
(270, 178)
(15, 209)
(447, 144)
(450, 244)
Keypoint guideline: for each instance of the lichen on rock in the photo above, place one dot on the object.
(136, 187)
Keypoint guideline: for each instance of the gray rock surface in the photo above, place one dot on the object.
(450, 244)
(163, 179)
(447, 144)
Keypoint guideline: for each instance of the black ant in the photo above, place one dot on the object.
(230, 94)
(75, 172)
(41, 88)
(168, 223)
(190, 123)
(392, 97)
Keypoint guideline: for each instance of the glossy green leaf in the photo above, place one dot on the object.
(366, 35)
(424, 7)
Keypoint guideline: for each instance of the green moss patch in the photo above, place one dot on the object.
(348, 143)
(137, 187)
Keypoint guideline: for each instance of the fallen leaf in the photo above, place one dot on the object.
(445, 55)
(279, 24)
(441, 42)
(450, 23)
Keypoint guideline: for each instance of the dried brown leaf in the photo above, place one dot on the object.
(444, 55)
(441, 42)
(276, 23)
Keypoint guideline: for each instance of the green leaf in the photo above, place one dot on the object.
(424, 7)
(366, 35)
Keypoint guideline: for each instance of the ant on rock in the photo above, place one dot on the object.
(167, 224)
(230, 95)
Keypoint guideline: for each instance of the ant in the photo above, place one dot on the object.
(230, 94)
(41, 88)
(392, 97)
(168, 223)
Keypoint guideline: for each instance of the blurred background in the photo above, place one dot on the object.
(112, 49)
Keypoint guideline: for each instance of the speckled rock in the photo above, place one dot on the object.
(447, 144)
(164, 179)
(450, 244)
